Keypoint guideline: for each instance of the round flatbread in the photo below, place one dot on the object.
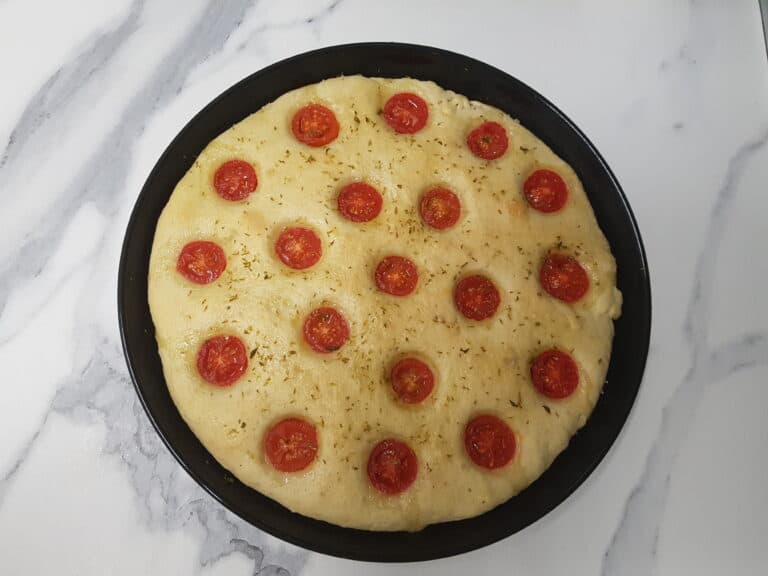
(397, 329)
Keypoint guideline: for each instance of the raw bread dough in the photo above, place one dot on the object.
(479, 366)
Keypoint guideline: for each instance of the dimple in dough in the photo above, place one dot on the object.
(480, 367)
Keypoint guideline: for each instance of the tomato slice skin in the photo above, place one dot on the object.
(545, 191)
(562, 277)
(440, 208)
(488, 141)
(315, 125)
(222, 360)
(359, 202)
(406, 113)
(555, 374)
(412, 380)
(489, 442)
(291, 445)
(234, 180)
(476, 297)
(298, 247)
(392, 466)
(325, 330)
(396, 275)
(201, 262)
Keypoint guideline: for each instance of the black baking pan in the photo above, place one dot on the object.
(477, 81)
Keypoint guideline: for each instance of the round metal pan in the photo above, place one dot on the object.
(477, 81)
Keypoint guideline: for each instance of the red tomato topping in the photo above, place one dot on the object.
(396, 275)
(476, 297)
(325, 330)
(412, 380)
(359, 202)
(440, 208)
(221, 360)
(234, 180)
(406, 113)
(291, 444)
(201, 262)
(488, 141)
(489, 442)
(555, 374)
(298, 247)
(545, 191)
(392, 466)
(563, 277)
(315, 125)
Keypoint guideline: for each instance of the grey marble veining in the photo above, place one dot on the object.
(668, 83)
(311, 19)
(632, 551)
(103, 390)
(169, 499)
(68, 91)
(634, 546)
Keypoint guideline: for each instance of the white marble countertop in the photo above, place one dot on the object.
(674, 94)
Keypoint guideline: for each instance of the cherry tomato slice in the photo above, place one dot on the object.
(440, 208)
(406, 113)
(412, 380)
(201, 262)
(545, 191)
(489, 442)
(315, 125)
(359, 202)
(396, 275)
(298, 247)
(488, 141)
(555, 374)
(325, 330)
(563, 277)
(222, 360)
(291, 444)
(476, 297)
(235, 180)
(392, 466)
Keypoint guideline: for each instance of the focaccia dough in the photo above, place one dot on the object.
(479, 366)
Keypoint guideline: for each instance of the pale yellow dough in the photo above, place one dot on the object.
(480, 366)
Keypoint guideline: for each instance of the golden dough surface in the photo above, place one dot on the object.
(480, 367)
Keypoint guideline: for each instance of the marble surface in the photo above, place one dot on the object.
(674, 94)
